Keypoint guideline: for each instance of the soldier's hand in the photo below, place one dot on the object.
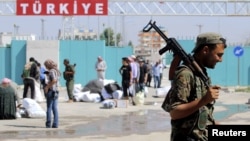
(212, 93)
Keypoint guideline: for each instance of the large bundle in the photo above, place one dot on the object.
(112, 87)
(33, 109)
(94, 86)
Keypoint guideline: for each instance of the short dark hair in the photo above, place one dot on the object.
(124, 58)
(32, 59)
(66, 60)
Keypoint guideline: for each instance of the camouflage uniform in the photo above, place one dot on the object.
(69, 80)
(186, 87)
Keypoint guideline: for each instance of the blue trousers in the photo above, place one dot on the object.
(52, 102)
(156, 81)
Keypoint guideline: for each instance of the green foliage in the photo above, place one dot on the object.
(118, 38)
(110, 38)
(130, 43)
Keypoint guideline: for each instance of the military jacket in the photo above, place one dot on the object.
(69, 77)
(185, 88)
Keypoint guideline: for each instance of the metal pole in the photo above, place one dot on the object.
(98, 34)
(200, 27)
(238, 71)
(42, 30)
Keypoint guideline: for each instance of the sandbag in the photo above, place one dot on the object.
(77, 88)
(92, 97)
(94, 86)
(117, 94)
(34, 110)
(107, 81)
(38, 93)
(109, 104)
(78, 97)
(105, 94)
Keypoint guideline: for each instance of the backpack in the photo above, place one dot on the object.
(26, 69)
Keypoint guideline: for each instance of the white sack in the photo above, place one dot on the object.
(162, 92)
(33, 109)
(117, 94)
(92, 97)
(79, 96)
(105, 94)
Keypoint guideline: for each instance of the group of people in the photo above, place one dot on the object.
(134, 76)
(10, 100)
(9, 90)
(137, 73)
(190, 102)
(48, 76)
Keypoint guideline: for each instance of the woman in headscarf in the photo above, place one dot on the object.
(7, 100)
(51, 93)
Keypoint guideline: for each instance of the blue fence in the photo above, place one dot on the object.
(233, 71)
(83, 53)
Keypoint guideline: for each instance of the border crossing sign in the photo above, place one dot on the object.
(238, 51)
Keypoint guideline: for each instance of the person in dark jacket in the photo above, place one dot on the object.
(143, 75)
(126, 73)
(29, 80)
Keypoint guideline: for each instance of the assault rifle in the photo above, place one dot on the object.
(179, 53)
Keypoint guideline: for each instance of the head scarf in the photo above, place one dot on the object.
(6, 81)
(50, 64)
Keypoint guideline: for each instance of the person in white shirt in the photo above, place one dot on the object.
(100, 67)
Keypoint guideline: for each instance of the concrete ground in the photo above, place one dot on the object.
(89, 121)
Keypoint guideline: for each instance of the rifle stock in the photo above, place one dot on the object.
(175, 47)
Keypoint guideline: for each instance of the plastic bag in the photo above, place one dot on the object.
(139, 98)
